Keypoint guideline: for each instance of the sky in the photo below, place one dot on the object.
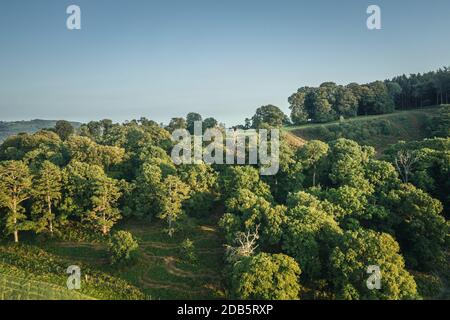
(163, 59)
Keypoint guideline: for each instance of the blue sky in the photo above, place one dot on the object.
(162, 59)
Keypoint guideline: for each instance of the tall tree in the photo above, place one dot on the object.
(300, 105)
(15, 188)
(191, 118)
(64, 129)
(104, 213)
(310, 156)
(47, 193)
(209, 123)
(171, 201)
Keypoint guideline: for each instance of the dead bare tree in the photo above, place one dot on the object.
(246, 244)
(404, 162)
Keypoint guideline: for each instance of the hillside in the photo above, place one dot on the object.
(28, 272)
(9, 128)
(160, 269)
(377, 131)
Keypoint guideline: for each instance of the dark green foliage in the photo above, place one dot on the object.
(429, 286)
(441, 123)
(419, 226)
(266, 277)
(191, 118)
(121, 246)
(419, 90)
(310, 233)
(202, 180)
(64, 129)
(290, 175)
(33, 149)
(431, 171)
(330, 102)
(269, 115)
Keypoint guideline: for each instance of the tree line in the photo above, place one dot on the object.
(330, 102)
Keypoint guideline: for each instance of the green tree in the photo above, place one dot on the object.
(15, 188)
(375, 99)
(346, 104)
(269, 115)
(187, 250)
(357, 251)
(250, 212)
(394, 89)
(290, 175)
(346, 161)
(191, 118)
(47, 186)
(104, 213)
(235, 178)
(64, 129)
(419, 226)
(323, 101)
(33, 149)
(121, 246)
(310, 156)
(144, 201)
(441, 123)
(79, 181)
(266, 277)
(209, 123)
(202, 180)
(300, 105)
(83, 149)
(176, 123)
(309, 234)
(172, 196)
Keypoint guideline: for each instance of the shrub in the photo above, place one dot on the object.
(121, 246)
(187, 250)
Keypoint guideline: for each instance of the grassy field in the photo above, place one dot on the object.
(379, 131)
(158, 271)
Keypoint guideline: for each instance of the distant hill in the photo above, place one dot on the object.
(377, 131)
(10, 128)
